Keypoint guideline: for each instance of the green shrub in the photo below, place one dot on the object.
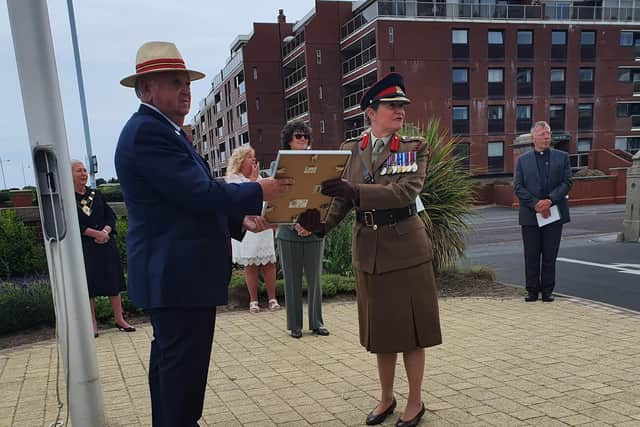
(20, 254)
(25, 306)
(4, 196)
(446, 194)
(337, 249)
(111, 192)
(121, 239)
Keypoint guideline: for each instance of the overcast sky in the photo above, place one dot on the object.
(109, 34)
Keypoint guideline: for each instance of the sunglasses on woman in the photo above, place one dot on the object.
(301, 135)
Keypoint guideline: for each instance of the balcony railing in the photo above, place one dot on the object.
(545, 12)
(636, 88)
(293, 44)
(359, 59)
(354, 132)
(353, 99)
(297, 109)
(635, 122)
(296, 76)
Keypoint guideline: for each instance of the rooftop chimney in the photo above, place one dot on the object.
(281, 18)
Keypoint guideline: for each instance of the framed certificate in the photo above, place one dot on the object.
(308, 168)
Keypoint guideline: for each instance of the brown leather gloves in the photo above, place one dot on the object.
(342, 189)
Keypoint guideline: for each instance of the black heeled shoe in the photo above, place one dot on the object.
(378, 419)
(125, 328)
(321, 331)
(413, 421)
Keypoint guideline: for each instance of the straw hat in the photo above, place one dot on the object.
(153, 57)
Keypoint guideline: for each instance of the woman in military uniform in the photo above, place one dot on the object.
(392, 254)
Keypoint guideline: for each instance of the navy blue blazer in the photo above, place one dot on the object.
(180, 218)
(529, 188)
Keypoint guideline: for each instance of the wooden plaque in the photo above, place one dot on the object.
(308, 168)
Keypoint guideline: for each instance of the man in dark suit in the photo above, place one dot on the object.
(542, 180)
(180, 223)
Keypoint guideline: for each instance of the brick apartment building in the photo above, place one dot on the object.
(486, 68)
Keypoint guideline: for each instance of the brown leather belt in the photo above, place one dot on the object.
(376, 217)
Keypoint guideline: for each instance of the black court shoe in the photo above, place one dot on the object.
(296, 333)
(531, 297)
(547, 298)
(413, 421)
(125, 328)
(378, 419)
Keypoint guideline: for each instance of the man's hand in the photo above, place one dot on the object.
(338, 187)
(273, 188)
(542, 205)
(302, 232)
(545, 213)
(309, 220)
(256, 223)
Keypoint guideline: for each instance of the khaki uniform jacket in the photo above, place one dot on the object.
(390, 247)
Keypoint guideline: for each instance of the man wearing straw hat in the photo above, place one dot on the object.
(180, 223)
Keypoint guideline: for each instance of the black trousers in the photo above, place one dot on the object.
(541, 245)
(179, 364)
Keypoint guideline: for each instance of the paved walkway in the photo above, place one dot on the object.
(503, 363)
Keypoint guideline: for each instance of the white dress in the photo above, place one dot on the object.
(255, 248)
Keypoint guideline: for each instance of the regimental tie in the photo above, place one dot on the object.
(376, 149)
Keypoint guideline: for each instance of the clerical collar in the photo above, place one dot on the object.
(154, 108)
(384, 139)
(543, 152)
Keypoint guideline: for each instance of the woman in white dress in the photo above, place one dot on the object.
(256, 252)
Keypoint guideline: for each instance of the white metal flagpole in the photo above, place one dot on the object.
(40, 88)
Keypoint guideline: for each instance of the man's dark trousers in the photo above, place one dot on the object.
(541, 245)
(179, 363)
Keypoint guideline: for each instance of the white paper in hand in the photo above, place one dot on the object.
(419, 205)
(554, 215)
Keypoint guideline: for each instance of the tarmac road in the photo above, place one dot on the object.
(591, 264)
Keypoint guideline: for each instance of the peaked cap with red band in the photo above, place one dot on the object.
(388, 89)
(154, 57)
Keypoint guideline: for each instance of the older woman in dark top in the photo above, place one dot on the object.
(101, 259)
(300, 250)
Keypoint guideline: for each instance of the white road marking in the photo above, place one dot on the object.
(619, 267)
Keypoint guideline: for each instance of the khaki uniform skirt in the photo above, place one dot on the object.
(398, 310)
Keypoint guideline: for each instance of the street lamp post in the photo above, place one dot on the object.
(24, 177)
(4, 179)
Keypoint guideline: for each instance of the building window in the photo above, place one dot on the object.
(628, 143)
(460, 83)
(390, 32)
(557, 82)
(581, 158)
(459, 44)
(318, 56)
(495, 79)
(525, 44)
(583, 145)
(628, 75)
(257, 103)
(460, 118)
(495, 156)
(495, 44)
(588, 45)
(244, 138)
(558, 45)
(556, 117)
(524, 81)
(322, 126)
(585, 116)
(461, 152)
(586, 82)
(255, 73)
(523, 118)
(626, 38)
(495, 122)
(321, 92)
